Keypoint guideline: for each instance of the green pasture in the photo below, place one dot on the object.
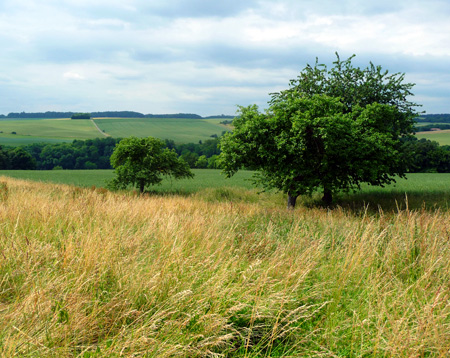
(204, 178)
(442, 137)
(419, 190)
(14, 140)
(45, 130)
(181, 130)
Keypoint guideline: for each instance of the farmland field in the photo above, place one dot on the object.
(57, 129)
(442, 137)
(181, 130)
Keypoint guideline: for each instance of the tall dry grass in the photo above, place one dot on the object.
(89, 273)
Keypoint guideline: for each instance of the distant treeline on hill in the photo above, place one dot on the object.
(114, 114)
(434, 118)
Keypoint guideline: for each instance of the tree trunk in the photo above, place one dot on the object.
(327, 196)
(291, 201)
(141, 187)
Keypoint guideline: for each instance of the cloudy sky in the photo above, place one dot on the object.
(207, 56)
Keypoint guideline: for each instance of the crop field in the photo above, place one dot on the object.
(51, 130)
(181, 130)
(85, 272)
(13, 140)
(442, 137)
(17, 132)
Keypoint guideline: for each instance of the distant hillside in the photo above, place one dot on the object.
(110, 114)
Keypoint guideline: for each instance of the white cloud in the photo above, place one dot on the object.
(73, 76)
(156, 57)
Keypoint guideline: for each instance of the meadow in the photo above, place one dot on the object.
(442, 137)
(15, 132)
(85, 272)
(418, 190)
(181, 130)
(45, 130)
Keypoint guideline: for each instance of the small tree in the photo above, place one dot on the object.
(331, 130)
(142, 162)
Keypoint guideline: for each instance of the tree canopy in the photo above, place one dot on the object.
(331, 130)
(143, 162)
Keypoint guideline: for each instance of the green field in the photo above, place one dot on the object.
(45, 130)
(181, 130)
(442, 137)
(204, 178)
(419, 190)
(15, 132)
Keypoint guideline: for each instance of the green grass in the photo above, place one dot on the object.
(442, 137)
(28, 131)
(180, 130)
(429, 190)
(13, 140)
(204, 178)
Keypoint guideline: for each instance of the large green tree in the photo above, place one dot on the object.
(143, 162)
(331, 130)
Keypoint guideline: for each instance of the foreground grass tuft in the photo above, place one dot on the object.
(90, 273)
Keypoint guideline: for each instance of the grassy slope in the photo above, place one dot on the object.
(442, 137)
(180, 130)
(94, 274)
(65, 130)
(50, 128)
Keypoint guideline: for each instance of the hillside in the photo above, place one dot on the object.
(22, 131)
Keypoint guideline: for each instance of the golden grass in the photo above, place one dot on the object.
(89, 273)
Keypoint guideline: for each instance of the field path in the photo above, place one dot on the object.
(96, 126)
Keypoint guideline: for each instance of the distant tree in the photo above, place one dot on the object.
(4, 158)
(142, 162)
(202, 162)
(426, 156)
(21, 159)
(331, 130)
(81, 116)
(190, 157)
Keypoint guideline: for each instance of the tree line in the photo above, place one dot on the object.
(420, 155)
(432, 127)
(434, 118)
(96, 154)
(113, 114)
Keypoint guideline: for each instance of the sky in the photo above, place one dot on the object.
(208, 56)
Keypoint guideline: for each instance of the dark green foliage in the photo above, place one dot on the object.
(4, 159)
(88, 154)
(16, 158)
(434, 118)
(331, 130)
(81, 116)
(426, 156)
(177, 115)
(21, 159)
(142, 162)
(431, 127)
